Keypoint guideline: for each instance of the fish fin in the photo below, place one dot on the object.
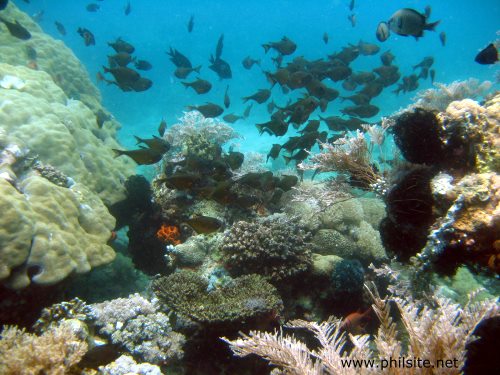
(287, 159)
(431, 26)
(266, 47)
(139, 140)
(186, 84)
(117, 152)
(197, 69)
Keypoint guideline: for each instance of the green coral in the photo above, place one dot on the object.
(245, 297)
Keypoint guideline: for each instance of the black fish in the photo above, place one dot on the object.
(155, 143)
(260, 96)
(201, 86)
(489, 55)
(123, 75)
(122, 46)
(221, 67)
(208, 110)
(119, 59)
(409, 22)
(204, 224)
(127, 8)
(93, 7)
(298, 157)
(387, 58)
(16, 30)
(285, 46)
(190, 24)
(246, 113)
(382, 32)
(367, 49)
(101, 117)
(274, 152)
(442, 38)
(60, 27)
(231, 118)
(100, 355)
(227, 101)
(142, 156)
(425, 63)
(183, 71)
(142, 65)
(162, 127)
(363, 110)
(220, 46)
(351, 5)
(178, 59)
(87, 36)
(3, 4)
(352, 19)
(275, 126)
(142, 84)
(248, 62)
(287, 182)
(234, 159)
(432, 74)
(325, 38)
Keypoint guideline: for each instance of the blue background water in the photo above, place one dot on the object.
(154, 25)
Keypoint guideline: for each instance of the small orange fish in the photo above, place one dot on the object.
(355, 322)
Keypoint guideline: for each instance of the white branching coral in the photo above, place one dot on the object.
(435, 334)
(440, 97)
(194, 124)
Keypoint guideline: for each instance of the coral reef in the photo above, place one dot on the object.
(138, 325)
(61, 132)
(125, 365)
(50, 232)
(275, 247)
(57, 351)
(244, 298)
(439, 335)
(439, 98)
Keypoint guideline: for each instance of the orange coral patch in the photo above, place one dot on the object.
(169, 234)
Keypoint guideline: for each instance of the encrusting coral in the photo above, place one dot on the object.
(438, 335)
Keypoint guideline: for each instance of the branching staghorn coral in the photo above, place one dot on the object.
(438, 333)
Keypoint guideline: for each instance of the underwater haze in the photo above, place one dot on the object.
(155, 25)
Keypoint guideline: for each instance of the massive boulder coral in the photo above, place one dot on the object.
(47, 232)
(274, 247)
(45, 53)
(38, 116)
(244, 298)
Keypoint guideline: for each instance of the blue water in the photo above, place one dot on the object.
(154, 25)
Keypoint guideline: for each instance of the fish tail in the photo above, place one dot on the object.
(197, 69)
(287, 159)
(266, 47)
(186, 84)
(139, 140)
(260, 128)
(118, 152)
(106, 70)
(431, 26)
(245, 99)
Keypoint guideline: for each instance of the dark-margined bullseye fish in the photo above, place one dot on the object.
(201, 86)
(204, 224)
(208, 110)
(142, 156)
(409, 22)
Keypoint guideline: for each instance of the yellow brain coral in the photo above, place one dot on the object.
(52, 230)
(61, 132)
